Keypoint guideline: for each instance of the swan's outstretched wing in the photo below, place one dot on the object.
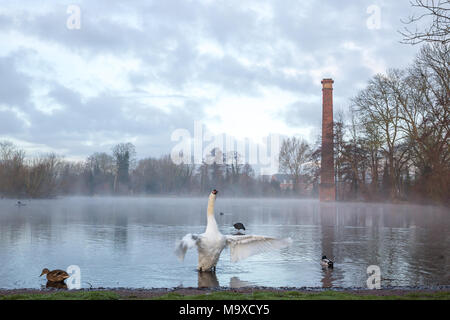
(244, 246)
(188, 241)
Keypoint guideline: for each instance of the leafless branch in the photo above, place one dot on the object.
(438, 11)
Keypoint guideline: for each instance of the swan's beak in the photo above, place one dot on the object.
(214, 192)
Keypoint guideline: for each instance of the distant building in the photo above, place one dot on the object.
(285, 181)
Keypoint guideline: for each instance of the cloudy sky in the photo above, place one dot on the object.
(138, 70)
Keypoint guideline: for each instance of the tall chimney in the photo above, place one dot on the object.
(327, 191)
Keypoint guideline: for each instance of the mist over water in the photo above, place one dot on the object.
(129, 242)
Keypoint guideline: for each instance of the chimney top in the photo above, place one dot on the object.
(327, 83)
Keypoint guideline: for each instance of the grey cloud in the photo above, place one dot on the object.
(9, 123)
(108, 117)
(300, 114)
(301, 36)
(14, 85)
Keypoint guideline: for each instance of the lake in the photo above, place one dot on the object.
(129, 242)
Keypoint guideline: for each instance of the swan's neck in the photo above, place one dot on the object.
(211, 225)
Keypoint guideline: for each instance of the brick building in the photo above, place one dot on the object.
(327, 190)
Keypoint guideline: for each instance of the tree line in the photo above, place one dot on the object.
(119, 173)
(393, 143)
(396, 143)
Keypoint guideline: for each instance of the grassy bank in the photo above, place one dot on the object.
(295, 295)
(224, 295)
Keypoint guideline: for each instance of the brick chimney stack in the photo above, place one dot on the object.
(327, 191)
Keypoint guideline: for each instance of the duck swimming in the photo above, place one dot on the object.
(211, 243)
(55, 275)
(325, 262)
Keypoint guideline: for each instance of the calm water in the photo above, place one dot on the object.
(129, 242)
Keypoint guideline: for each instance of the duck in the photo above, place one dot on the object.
(211, 243)
(55, 275)
(239, 226)
(325, 262)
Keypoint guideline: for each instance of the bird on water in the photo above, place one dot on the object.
(239, 226)
(211, 243)
(325, 262)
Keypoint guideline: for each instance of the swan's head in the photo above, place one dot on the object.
(213, 195)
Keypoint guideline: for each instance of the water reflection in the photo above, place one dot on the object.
(121, 232)
(235, 282)
(56, 285)
(327, 278)
(207, 280)
(328, 221)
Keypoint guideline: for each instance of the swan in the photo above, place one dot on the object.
(211, 243)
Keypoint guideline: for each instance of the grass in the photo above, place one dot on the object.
(295, 295)
(224, 295)
(67, 295)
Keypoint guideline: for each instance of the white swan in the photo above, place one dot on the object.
(211, 243)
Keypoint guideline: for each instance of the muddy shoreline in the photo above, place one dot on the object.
(156, 292)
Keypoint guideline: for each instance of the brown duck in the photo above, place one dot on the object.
(55, 275)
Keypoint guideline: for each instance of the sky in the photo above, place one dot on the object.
(137, 71)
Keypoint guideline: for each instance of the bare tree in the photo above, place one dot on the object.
(124, 156)
(339, 148)
(404, 116)
(71, 178)
(437, 14)
(42, 176)
(294, 154)
(355, 159)
(426, 116)
(378, 109)
(234, 166)
(101, 172)
(12, 169)
(373, 141)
